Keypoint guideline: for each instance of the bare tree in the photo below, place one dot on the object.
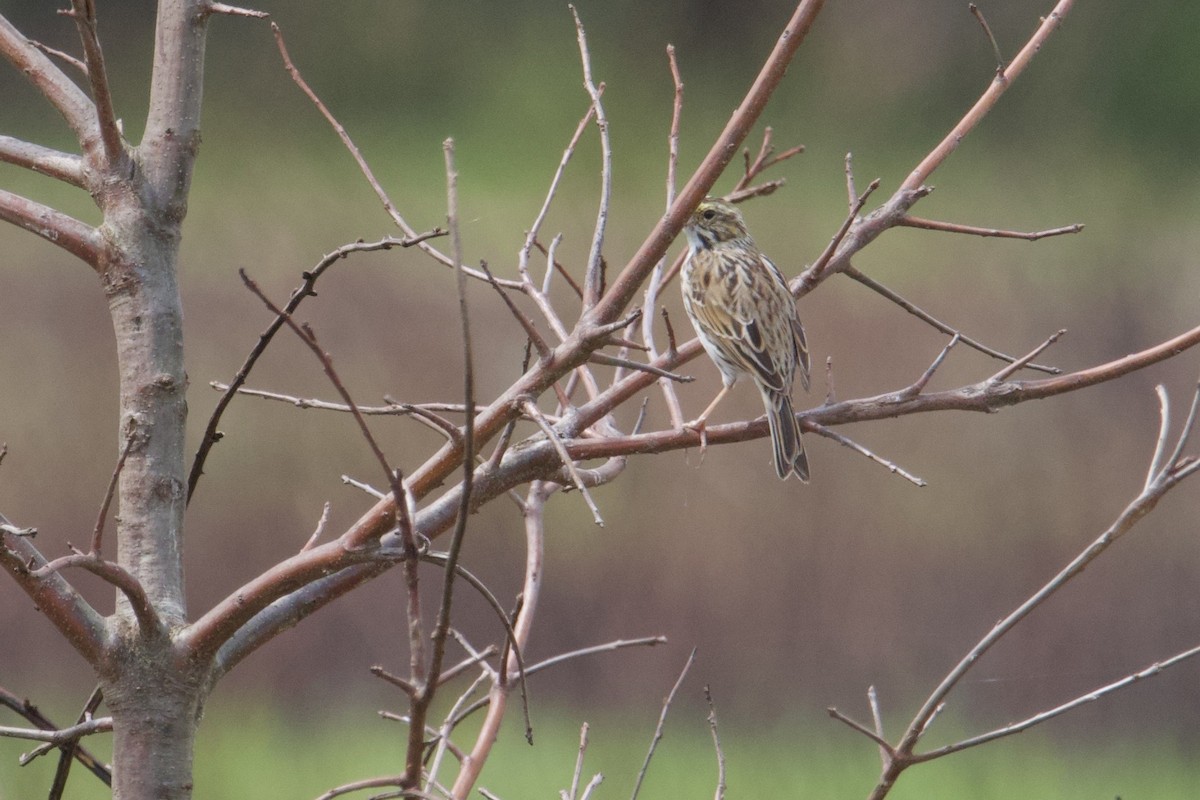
(157, 663)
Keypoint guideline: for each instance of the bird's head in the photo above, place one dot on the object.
(715, 221)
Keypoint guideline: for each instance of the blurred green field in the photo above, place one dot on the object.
(254, 752)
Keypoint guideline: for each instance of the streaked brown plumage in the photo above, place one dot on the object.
(747, 321)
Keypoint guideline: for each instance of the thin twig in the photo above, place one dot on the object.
(531, 235)
(395, 680)
(851, 193)
(441, 628)
(84, 14)
(1157, 461)
(989, 98)
(676, 116)
(987, 30)
(583, 743)
(819, 265)
(531, 331)
(338, 128)
(511, 642)
(320, 529)
(67, 753)
(645, 641)
(235, 11)
(974, 344)
(377, 783)
(719, 794)
(591, 787)
(62, 736)
(306, 289)
(115, 574)
(442, 734)
(909, 221)
(553, 264)
(863, 729)
(30, 712)
(424, 413)
(846, 441)
(65, 57)
(593, 284)
(765, 159)
(1037, 719)
(535, 413)
(757, 190)
(306, 335)
(471, 661)
(364, 487)
(662, 721)
(1024, 360)
(919, 385)
(1188, 426)
(553, 661)
(877, 718)
(484, 667)
(625, 363)
(98, 529)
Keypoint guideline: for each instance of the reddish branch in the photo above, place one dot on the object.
(77, 238)
(67, 98)
(65, 167)
(724, 148)
(76, 620)
(84, 14)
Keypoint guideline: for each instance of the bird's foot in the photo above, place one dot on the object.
(698, 426)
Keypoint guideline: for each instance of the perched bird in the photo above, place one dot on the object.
(746, 318)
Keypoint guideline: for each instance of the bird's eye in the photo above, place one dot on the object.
(709, 213)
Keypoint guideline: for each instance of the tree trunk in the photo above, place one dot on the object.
(147, 319)
(152, 687)
(154, 694)
(155, 700)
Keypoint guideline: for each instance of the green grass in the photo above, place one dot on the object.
(267, 756)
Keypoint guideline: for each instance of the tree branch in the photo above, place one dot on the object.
(84, 14)
(75, 619)
(1163, 476)
(988, 100)
(31, 713)
(77, 238)
(593, 284)
(1071, 705)
(63, 736)
(662, 721)
(719, 156)
(973, 230)
(171, 141)
(473, 763)
(65, 167)
(306, 289)
(54, 85)
(115, 574)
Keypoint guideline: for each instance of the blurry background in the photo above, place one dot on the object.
(797, 597)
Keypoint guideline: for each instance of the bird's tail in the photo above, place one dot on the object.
(785, 436)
